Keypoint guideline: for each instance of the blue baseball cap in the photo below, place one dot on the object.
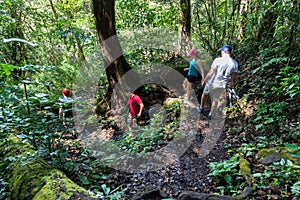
(226, 47)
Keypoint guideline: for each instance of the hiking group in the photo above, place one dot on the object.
(221, 75)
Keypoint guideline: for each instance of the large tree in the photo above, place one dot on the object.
(184, 29)
(114, 61)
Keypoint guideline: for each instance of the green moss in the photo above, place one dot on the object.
(246, 170)
(30, 177)
(171, 101)
(55, 190)
(245, 166)
(27, 178)
(276, 154)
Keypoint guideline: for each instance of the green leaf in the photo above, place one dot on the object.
(270, 120)
(221, 7)
(296, 188)
(106, 189)
(292, 146)
(259, 126)
(7, 68)
(21, 136)
(228, 178)
(41, 95)
(84, 180)
(101, 177)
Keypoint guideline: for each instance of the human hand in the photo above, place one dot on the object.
(229, 86)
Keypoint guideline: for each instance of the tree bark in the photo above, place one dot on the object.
(114, 61)
(184, 30)
(243, 9)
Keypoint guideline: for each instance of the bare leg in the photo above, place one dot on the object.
(218, 100)
(187, 87)
(203, 100)
(213, 106)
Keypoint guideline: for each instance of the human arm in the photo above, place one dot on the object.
(200, 66)
(60, 110)
(141, 109)
(209, 75)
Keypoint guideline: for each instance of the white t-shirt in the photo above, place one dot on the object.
(224, 67)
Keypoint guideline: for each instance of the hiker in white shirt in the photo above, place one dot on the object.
(216, 81)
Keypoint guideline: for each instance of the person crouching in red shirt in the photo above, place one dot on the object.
(135, 105)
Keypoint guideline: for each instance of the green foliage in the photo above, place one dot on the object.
(6, 69)
(33, 117)
(282, 175)
(138, 14)
(111, 194)
(288, 82)
(163, 128)
(65, 35)
(296, 188)
(269, 117)
(229, 177)
(279, 174)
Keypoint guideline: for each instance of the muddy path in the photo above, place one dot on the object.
(189, 173)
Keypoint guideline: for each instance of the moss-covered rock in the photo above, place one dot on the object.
(275, 154)
(30, 177)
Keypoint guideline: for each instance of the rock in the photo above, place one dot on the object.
(261, 193)
(153, 194)
(268, 156)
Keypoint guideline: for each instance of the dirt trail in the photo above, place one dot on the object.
(189, 173)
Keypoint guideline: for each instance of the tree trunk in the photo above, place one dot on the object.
(114, 61)
(293, 31)
(30, 177)
(18, 50)
(184, 30)
(243, 8)
(267, 28)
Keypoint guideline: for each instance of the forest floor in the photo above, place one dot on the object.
(189, 173)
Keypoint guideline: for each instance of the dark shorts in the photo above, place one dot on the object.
(193, 79)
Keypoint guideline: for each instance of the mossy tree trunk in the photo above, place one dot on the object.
(31, 177)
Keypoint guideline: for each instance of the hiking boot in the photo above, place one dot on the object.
(201, 110)
(209, 116)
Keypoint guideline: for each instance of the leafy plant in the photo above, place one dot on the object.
(228, 175)
(269, 117)
(110, 194)
(282, 174)
(287, 81)
(163, 128)
(296, 188)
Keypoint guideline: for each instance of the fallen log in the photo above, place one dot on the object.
(31, 177)
(187, 195)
